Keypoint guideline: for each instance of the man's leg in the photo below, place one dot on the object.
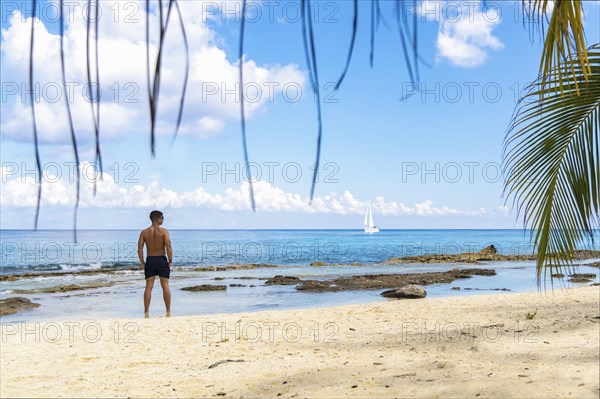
(164, 283)
(148, 293)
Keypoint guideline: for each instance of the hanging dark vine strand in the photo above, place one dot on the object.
(98, 152)
(89, 80)
(72, 129)
(312, 60)
(38, 164)
(157, 70)
(354, 29)
(243, 116)
(187, 70)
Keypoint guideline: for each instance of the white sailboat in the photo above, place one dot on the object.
(369, 226)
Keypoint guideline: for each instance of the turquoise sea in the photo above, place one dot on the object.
(292, 251)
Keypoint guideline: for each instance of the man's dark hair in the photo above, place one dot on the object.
(155, 215)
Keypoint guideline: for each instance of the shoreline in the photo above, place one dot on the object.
(256, 290)
(448, 347)
(547, 294)
(486, 255)
(270, 286)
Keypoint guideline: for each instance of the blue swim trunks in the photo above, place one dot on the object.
(157, 266)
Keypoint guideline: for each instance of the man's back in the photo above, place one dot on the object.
(155, 238)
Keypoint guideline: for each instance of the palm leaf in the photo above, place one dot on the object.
(564, 40)
(551, 160)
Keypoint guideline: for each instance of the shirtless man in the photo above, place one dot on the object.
(157, 240)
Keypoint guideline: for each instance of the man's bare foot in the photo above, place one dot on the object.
(146, 315)
(168, 314)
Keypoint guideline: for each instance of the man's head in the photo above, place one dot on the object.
(156, 216)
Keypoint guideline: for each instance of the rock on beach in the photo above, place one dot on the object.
(15, 304)
(410, 291)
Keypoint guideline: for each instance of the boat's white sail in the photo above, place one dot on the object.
(369, 225)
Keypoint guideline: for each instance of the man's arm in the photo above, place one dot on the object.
(141, 249)
(169, 249)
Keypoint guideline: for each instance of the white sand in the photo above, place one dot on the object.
(412, 348)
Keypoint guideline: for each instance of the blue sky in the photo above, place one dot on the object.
(429, 161)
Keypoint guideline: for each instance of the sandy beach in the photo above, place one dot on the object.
(476, 346)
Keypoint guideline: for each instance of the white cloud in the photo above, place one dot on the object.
(465, 34)
(504, 210)
(122, 51)
(21, 192)
(203, 128)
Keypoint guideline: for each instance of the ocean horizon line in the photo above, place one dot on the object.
(278, 229)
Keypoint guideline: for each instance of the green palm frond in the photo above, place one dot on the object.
(564, 39)
(551, 160)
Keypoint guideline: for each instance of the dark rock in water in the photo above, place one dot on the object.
(558, 275)
(583, 275)
(64, 288)
(378, 281)
(579, 280)
(315, 286)
(15, 304)
(205, 287)
(466, 273)
(234, 266)
(410, 291)
(586, 254)
(594, 284)
(237, 285)
(595, 264)
(337, 264)
(19, 276)
(455, 288)
(283, 280)
(490, 249)
(487, 254)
